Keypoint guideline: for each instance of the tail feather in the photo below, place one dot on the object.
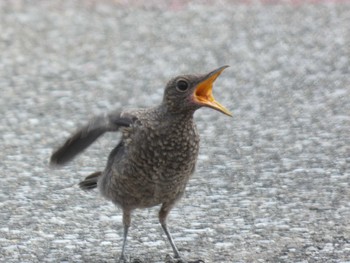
(90, 182)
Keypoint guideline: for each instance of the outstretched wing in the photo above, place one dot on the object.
(85, 136)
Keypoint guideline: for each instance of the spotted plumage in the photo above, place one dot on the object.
(157, 153)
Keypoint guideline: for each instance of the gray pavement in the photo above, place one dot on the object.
(272, 183)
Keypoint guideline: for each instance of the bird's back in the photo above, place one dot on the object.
(154, 160)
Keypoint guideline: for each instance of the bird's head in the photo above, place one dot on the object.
(187, 93)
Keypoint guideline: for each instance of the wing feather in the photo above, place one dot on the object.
(89, 133)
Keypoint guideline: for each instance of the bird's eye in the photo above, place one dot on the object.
(182, 85)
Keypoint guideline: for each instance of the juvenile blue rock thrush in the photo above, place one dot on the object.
(157, 154)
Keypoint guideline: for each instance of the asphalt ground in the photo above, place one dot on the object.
(272, 183)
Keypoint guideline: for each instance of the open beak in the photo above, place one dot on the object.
(203, 93)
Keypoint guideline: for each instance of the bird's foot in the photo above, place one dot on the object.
(122, 259)
(136, 260)
(171, 259)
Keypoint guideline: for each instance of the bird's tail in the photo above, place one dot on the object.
(90, 182)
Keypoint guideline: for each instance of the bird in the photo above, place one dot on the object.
(156, 155)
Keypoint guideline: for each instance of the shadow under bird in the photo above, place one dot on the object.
(156, 155)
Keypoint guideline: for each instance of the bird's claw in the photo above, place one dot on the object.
(122, 259)
(176, 259)
(171, 259)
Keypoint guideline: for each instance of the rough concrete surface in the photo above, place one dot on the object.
(272, 183)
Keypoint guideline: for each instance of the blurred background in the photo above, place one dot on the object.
(272, 183)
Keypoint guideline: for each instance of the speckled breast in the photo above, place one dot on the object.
(161, 159)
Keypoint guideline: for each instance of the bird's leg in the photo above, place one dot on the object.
(163, 213)
(126, 223)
